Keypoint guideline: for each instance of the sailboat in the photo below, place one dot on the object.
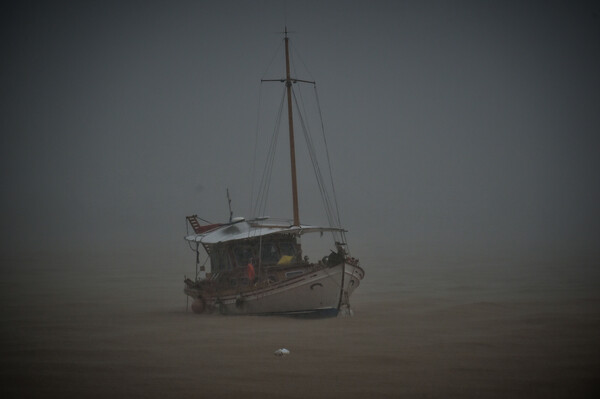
(257, 265)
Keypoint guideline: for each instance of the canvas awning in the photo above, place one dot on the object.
(244, 230)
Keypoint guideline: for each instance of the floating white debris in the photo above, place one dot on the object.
(282, 352)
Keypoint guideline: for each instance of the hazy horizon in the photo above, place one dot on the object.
(467, 125)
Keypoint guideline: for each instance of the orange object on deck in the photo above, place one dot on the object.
(251, 272)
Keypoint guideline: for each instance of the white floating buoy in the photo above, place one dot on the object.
(282, 352)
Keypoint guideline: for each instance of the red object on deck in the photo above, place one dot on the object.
(251, 272)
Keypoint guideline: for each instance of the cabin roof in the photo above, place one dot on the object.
(244, 230)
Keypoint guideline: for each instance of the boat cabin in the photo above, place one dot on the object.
(269, 251)
(272, 247)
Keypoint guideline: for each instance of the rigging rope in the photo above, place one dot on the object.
(295, 53)
(273, 58)
(337, 208)
(265, 180)
(330, 202)
(255, 148)
(317, 169)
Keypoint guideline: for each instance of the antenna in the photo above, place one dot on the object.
(229, 203)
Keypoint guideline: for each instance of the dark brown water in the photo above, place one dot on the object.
(100, 326)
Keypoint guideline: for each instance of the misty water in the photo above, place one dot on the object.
(433, 325)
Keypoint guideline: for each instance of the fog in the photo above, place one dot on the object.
(463, 139)
(462, 125)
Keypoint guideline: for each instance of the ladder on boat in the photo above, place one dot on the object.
(198, 228)
(193, 221)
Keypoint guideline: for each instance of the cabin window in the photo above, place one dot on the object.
(269, 253)
(219, 259)
(287, 248)
(243, 254)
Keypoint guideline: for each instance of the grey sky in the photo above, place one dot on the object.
(467, 124)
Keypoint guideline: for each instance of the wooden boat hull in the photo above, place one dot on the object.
(314, 294)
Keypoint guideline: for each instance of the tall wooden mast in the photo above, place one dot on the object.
(288, 84)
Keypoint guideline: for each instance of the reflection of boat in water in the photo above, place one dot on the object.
(257, 265)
